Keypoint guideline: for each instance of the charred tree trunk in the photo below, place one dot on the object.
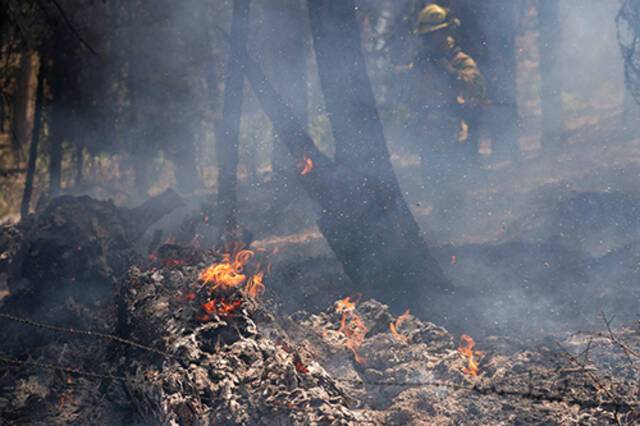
(56, 137)
(488, 33)
(23, 100)
(33, 148)
(500, 27)
(551, 78)
(79, 163)
(65, 94)
(362, 213)
(229, 131)
(289, 70)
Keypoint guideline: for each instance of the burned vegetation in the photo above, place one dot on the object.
(415, 213)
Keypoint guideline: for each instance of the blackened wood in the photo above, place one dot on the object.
(33, 148)
(228, 134)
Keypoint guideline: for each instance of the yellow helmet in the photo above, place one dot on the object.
(432, 18)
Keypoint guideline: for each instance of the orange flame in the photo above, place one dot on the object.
(466, 350)
(352, 326)
(306, 165)
(255, 286)
(228, 273)
(395, 325)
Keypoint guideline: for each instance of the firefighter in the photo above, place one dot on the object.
(448, 97)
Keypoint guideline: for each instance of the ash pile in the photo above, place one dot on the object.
(193, 336)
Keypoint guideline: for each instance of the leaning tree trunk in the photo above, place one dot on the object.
(228, 134)
(378, 242)
(362, 213)
(551, 80)
(33, 148)
(289, 69)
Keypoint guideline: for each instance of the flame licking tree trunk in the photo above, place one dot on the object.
(363, 215)
(229, 130)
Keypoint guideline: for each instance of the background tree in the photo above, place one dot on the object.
(228, 133)
(488, 33)
(549, 36)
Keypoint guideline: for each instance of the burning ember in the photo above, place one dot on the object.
(466, 350)
(395, 325)
(306, 165)
(219, 307)
(352, 326)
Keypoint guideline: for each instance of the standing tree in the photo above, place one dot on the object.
(33, 148)
(488, 32)
(363, 215)
(228, 134)
(287, 39)
(549, 33)
(628, 24)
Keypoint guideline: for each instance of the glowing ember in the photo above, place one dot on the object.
(352, 326)
(255, 286)
(300, 368)
(395, 325)
(466, 350)
(219, 307)
(306, 165)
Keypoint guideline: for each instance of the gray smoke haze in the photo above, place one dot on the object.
(543, 239)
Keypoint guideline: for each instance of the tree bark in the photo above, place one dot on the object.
(228, 134)
(551, 78)
(378, 242)
(79, 163)
(288, 50)
(33, 148)
(24, 99)
(488, 33)
(362, 215)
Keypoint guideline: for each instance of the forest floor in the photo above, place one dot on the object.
(547, 241)
(543, 246)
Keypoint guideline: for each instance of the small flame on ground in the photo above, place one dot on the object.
(306, 165)
(466, 350)
(255, 286)
(395, 325)
(352, 326)
(229, 274)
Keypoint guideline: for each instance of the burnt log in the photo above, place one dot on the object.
(76, 247)
(220, 368)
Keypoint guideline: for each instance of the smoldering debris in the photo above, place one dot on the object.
(192, 349)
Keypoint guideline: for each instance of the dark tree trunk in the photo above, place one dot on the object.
(79, 163)
(56, 137)
(288, 50)
(66, 64)
(23, 100)
(228, 133)
(488, 33)
(33, 148)
(363, 215)
(549, 36)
